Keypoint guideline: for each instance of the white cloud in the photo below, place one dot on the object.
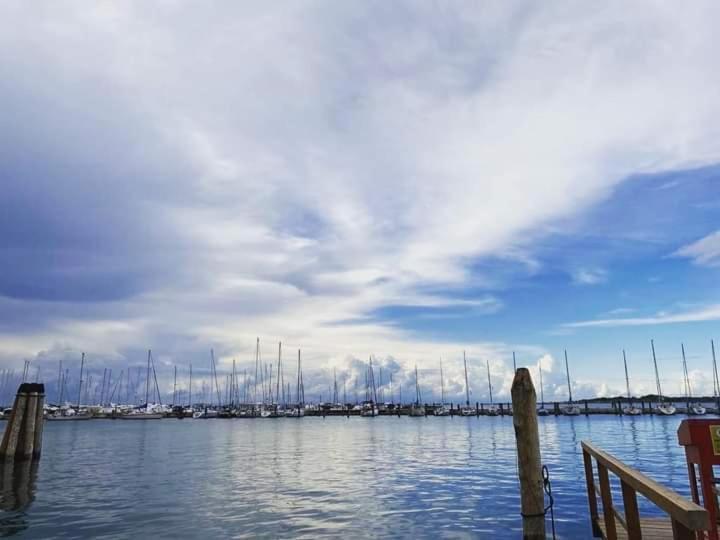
(708, 313)
(589, 276)
(329, 159)
(705, 251)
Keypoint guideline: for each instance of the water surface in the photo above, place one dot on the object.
(312, 477)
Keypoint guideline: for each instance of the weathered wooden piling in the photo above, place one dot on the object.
(23, 434)
(527, 438)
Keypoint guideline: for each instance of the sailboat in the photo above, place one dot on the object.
(542, 411)
(416, 409)
(663, 408)
(443, 409)
(630, 409)
(570, 409)
(369, 406)
(298, 411)
(467, 410)
(492, 409)
(693, 408)
(146, 413)
(67, 412)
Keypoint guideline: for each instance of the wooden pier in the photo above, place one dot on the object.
(685, 520)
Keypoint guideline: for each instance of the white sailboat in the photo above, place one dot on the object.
(467, 410)
(629, 409)
(695, 409)
(148, 413)
(298, 411)
(664, 409)
(369, 406)
(571, 409)
(492, 409)
(542, 411)
(417, 409)
(443, 409)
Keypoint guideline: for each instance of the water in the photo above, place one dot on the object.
(313, 477)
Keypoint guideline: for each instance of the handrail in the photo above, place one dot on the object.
(684, 513)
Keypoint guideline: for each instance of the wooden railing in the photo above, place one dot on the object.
(687, 519)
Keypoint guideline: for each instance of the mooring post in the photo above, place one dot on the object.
(23, 433)
(527, 438)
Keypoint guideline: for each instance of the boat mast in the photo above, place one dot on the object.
(174, 384)
(716, 381)
(82, 364)
(688, 390)
(657, 375)
(59, 383)
(277, 384)
(257, 369)
(190, 389)
(487, 364)
(442, 384)
(627, 379)
(417, 387)
(542, 395)
(467, 388)
(214, 370)
(147, 381)
(567, 372)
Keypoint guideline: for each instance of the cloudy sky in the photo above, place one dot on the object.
(406, 180)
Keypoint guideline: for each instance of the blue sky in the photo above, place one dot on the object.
(406, 181)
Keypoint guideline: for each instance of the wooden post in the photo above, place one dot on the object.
(527, 438)
(632, 515)
(606, 497)
(592, 500)
(23, 433)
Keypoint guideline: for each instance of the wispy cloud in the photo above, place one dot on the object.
(705, 251)
(589, 276)
(316, 162)
(709, 313)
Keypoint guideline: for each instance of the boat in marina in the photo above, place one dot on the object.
(629, 409)
(142, 414)
(298, 411)
(542, 411)
(694, 409)
(443, 409)
(467, 410)
(369, 406)
(67, 413)
(417, 409)
(663, 408)
(492, 409)
(570, 409)
(146, 412)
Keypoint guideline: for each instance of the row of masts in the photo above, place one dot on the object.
(269, 387)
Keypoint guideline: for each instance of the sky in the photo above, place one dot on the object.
(405, 180)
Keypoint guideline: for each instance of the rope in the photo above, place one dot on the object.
(547, 487)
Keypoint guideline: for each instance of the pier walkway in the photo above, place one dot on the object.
(686, 520)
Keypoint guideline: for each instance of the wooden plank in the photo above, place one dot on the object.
(686, 512)
(592, 500)
(653, 528)
(606, 496)
(632, 514)
(681, 532)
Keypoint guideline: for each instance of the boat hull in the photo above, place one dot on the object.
(68, 418)
(149, 416)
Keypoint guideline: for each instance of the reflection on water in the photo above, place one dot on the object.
(17, 491)
(334, 477)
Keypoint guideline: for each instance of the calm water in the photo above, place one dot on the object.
(313, 477)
